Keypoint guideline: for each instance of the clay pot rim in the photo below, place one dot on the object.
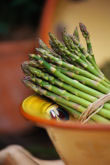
(65, 124)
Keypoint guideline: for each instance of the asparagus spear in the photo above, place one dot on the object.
(72, 47)
(76, 34)
(66, 79)
(67, 42)
(91, 83)
(90, 56)
(67, 95)
(64, 51)
(53, 80)
(57, 98)
(71, 67)
(86, 35)
(44, 47)
(60, 92)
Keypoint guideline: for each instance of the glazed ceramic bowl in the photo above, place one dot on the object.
(77, 144)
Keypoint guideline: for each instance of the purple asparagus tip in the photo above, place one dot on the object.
(26, 78)
(83, 29)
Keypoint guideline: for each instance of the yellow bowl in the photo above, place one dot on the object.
(76, 143)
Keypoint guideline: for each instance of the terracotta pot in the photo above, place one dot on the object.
(12, 54)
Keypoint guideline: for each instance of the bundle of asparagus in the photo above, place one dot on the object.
(67, 74)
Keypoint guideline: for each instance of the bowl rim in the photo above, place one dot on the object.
(64, 124)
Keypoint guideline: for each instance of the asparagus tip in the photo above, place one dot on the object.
(83, 29)
(65, 32)
(31, 55)
(75, 31)
(24, 63)
(51, 35)
(76, 34)
(40, 41)
(24, 66)
(42, 44)
(26, 78)
(26, 81)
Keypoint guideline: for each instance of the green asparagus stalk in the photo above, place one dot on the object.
(44, 47)
(57, 98)
(86, 35)
(67, 42)
(72, 47)
(76, 34)
(70, 89)
(67, 95)
(60, 92)
(64, 51)
(88, 56)
(71, 67)
(53, 80)
(66, 79)
(86, 81)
